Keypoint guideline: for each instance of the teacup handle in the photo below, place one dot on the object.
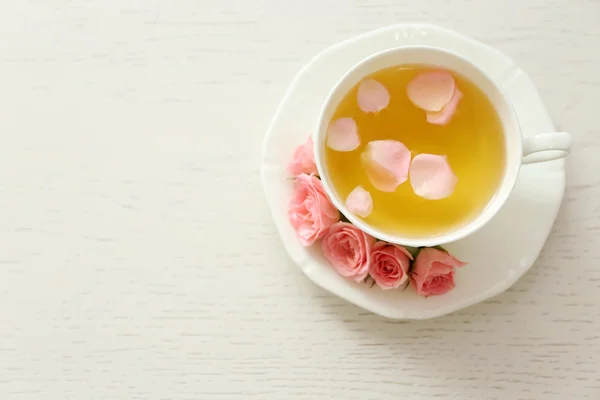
(546, 147)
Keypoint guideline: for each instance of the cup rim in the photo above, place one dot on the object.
(495, 203)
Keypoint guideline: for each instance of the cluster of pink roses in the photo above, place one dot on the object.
(353, 253)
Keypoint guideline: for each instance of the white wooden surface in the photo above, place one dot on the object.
(138, 259)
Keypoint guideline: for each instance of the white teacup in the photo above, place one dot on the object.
(519, 150)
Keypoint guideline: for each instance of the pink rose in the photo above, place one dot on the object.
(389, 265)
(310, 211)
(303, 159)
(433, 272)
(348, 249)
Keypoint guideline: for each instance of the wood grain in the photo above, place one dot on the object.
(138, 259)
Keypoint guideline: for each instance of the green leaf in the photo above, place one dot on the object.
(343, 218)
(439, 247)
(415, 251)
(406, 285)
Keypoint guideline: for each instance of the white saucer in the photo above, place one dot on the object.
(497, 255)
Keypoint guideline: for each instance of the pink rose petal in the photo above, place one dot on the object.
(445, 115)
(431, 176)
(360, 202)
(386, 163)
(342, 135)
(389, 265)
(348, 249)
(372, 96)
(433, 272)
(310, 211)
(431, 90)
(303, 159)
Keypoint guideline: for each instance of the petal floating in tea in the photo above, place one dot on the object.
(444, 116)
(342, 135)
(431, 176)
(431, 90)
(360, 202)
(372, 96)
(379, 177)
(386, 163)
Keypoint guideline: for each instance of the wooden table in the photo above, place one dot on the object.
(138, 259)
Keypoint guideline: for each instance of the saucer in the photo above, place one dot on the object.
(497, 255)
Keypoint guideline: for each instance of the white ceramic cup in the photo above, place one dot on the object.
(519, 150)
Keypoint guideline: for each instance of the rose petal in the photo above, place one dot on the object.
(372, 96)
(438, 285)
(431, 176)
(436, 259)
(342, 135)
(303, 159)
(389, 265)
(386, 163)
(445, 115)
(310, 211)
(360, 202)
(348, 250)
(431, 90)
(433, 272)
